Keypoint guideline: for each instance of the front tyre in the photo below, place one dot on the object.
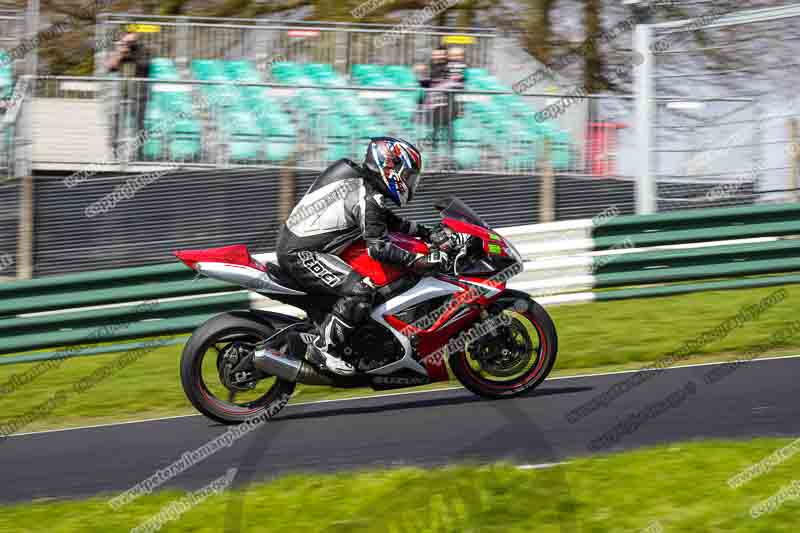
(225, 340)
(515, 357)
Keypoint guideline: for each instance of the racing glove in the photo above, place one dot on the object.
(423, 232)
(435, 261)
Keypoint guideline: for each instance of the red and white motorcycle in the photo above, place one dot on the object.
(497, 342)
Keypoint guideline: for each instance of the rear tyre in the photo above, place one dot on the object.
(517, 360)
(216, 339)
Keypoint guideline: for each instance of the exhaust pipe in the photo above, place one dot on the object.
(288, 369)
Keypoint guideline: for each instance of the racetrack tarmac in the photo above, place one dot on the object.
(758, 398)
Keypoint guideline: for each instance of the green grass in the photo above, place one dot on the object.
(593, 337)
(680, 487)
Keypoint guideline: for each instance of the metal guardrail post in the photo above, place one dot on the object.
(645, 179)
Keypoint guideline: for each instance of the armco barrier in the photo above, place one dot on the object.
(572, 261)
(698, 245)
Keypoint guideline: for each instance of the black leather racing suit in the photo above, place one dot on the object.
(338, 209)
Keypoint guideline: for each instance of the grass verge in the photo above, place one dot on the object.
(596, 337)
(671, 488)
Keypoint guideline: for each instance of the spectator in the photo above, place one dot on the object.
(422, 73)
(446, 72)
(131, 60)
(455, 74)
(438, 69)
(456, 66)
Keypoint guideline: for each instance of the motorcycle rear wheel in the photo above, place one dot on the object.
(527, 352)
(225, 330)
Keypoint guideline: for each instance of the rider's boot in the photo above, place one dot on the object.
(333, 331)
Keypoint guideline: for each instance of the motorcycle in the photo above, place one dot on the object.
(463, 321)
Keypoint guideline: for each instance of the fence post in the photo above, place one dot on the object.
(348, 64)
(99, 38)
(451, 117)
(287, 199)
(182, 60)
(31, 31)
(643, 80)
(25, 229)
(23, 167)
(794, 178)
(546, 191)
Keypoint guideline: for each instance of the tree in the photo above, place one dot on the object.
(539, 31)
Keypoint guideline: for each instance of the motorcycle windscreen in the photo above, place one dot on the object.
(493, 243)
(452, 207)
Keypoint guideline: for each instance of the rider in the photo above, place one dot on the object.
(347, 202)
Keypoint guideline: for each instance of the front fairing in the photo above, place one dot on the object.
(498, 252)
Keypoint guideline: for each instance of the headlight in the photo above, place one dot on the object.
(512, 250)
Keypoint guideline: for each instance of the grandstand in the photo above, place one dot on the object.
(254, 92)
(252, 123)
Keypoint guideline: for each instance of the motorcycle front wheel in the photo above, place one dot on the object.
(516, 359)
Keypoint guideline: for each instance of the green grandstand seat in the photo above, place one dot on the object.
(281, 140)
(338, 134)
(401, 74)
(241, 69)
(316, 69)
(466, 142)
(475, 73)
(166, 100)
(285, 71)
(244, 135)
(153, 147)
(257, 120)
(154, 120)
(365, 70)
(208, 69)
(560, 159)
(162, 68)
(277, 151)
(244, 149)
(508, 114)
(245, 72)
(163, 62)
(327, 76)
(185, 143)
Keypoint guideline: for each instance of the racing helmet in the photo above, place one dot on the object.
(395, 167)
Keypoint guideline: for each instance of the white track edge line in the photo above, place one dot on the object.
(376, 396)
(539, 466)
